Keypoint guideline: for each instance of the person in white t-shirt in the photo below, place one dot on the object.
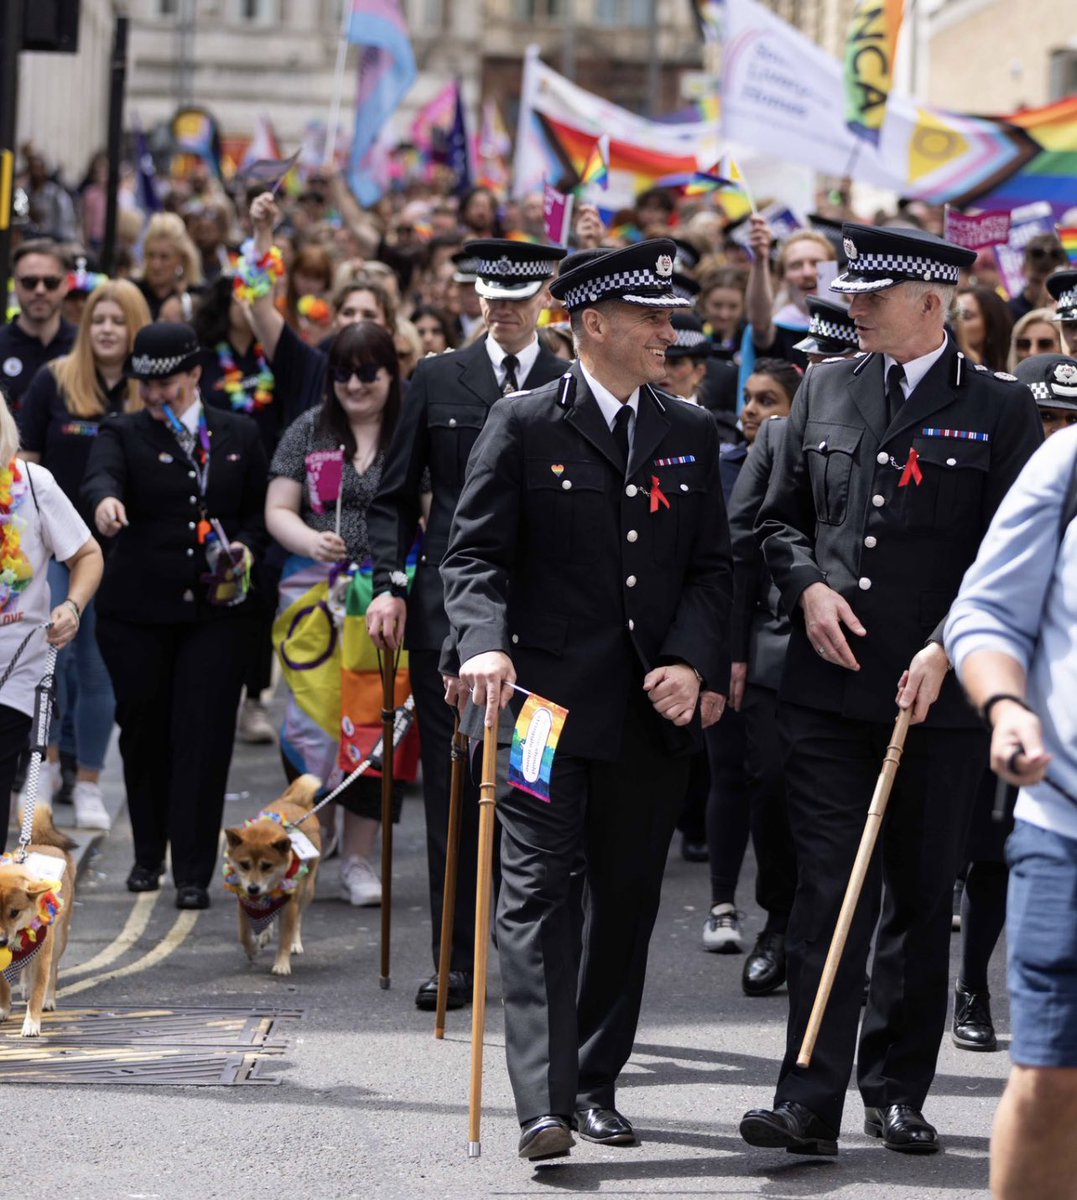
(37, 523)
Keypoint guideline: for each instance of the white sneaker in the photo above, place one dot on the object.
(359, 883)
(721, 933)
(254, 727)
(89, 808)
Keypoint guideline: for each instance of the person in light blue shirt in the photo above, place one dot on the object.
(1012, 636)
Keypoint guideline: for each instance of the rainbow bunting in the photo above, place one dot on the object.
(1067, 235)
(597, 169)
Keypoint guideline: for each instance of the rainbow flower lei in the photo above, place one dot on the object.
(255, 277)
(232, 380)
(15, 569)
(49, 906)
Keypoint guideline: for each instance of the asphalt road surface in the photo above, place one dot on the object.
(370, 1105)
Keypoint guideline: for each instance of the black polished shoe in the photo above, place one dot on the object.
(692, 851)
(192, 896)
(460, 988)
(545, 1137)
(901, 1128)
(764, 968)
(791, 1126)
(973, 1028)
(144, 879)
(605, 1126)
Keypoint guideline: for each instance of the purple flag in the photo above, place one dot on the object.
(976, 232)
(557, 209)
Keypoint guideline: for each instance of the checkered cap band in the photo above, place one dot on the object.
(1041, 391)
(623, 283)
(910, 266)
(146, 364)
(688, 339)
(507, 268)
(836, 331)
(1067, 299)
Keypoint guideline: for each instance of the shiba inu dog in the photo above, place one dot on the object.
(37, 898)
(273, 868)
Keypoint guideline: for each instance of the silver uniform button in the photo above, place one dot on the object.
(870, 542)
(631, 535)
(822, 445)
(631, 625)
(882, 458)
(566, 484)
(951, 462)
(190, 552)
(422, 558)
(515, 639)
(684, 487)
(878, 501)
(188, 595)
(452, 422)
(193, 499)
(190, 525)
(630, 581)
(863, 584)
(631, 490)
(190, 474)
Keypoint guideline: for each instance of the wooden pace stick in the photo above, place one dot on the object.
(387, 662)
(483, 892)
(876, 812)
(452, 854)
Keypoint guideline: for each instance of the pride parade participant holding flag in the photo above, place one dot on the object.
(589, 559)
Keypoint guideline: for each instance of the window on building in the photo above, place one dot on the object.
(167, 8)
(541, 10)
(624, 12)
(426, 14)
(1063, 74)
(256, 12)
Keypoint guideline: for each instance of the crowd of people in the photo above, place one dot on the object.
(758, 472)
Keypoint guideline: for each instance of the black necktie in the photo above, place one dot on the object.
(620, 431)
(510, 362)
(895, 397)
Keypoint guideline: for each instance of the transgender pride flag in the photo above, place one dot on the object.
(386, 72)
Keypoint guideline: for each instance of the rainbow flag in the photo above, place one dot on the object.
(597, 169)
(534, 744)
(704, 182)
(1067, 235)
(869, 65)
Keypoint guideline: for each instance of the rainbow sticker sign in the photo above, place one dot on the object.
(534, 744)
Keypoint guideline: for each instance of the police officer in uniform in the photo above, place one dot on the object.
(1062, 286)
(891, 467)
(590, 558)
(447, 405)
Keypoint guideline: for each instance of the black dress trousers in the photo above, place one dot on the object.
(831, 767)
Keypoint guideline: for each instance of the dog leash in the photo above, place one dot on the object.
(44, 694)
(405, 716)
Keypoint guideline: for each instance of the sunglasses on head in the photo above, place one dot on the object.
(1023, 343)
(367, 373)
(30, 282)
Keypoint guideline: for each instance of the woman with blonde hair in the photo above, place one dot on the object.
(60, 417)
(171, 262)
(38, 523)
(1034, 333)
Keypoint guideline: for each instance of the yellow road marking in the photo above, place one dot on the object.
(171, 942)
(133, 929)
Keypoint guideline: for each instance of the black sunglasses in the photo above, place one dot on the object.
(367, 373)
(30, 282)
(1024, 343)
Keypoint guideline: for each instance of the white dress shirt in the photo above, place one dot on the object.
(610, 406)
(915, 369)
(526, 359)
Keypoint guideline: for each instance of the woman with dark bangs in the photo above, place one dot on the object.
(984, 326)
(358, 413)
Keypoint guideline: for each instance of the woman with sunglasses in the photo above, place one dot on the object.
(60, 419)
(1034, 333)
(358, 413)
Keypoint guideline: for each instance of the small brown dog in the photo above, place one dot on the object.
(37, 899)
(273, 872)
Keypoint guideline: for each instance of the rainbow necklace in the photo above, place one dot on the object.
(15, 569)
(231, 382)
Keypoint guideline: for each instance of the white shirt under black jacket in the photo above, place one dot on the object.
(610, 406)
(526, 359)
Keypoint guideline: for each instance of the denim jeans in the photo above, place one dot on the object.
(83, 687)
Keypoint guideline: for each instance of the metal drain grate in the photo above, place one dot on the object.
(178, 1046)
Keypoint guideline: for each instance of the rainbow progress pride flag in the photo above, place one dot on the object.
(534, 744)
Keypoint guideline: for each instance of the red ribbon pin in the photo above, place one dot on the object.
(657, 495)
(912, 470)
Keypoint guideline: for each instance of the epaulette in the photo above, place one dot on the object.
(980, 367)
(836, 358)
(566, 395)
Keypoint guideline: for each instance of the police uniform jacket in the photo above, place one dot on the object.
(847, 508)
(153, 573)
(447, 405)
(557, 559)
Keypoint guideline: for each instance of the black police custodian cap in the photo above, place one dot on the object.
(641, 274)
(1063, 287)
(691, 341)
(1052, 379)
(506, 270)
(882, 258)
(830, 329)
(466, 266)
(687, 257)
(161, 350)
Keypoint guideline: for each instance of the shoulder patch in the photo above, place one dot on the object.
(1007, 376)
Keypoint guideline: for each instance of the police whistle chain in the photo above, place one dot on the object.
(452, 855)
(387, 664)
(876, 812)
(483, 892)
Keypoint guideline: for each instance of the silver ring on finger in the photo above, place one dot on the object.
(821, 650)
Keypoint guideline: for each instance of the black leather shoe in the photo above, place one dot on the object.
(902, 1128)
(545, 1137)
(692, 851)
(144, 879)
(192, 896)
(460, 988)
(791, 1125)
(764, 968)
(973, 1028)
(605, 1126)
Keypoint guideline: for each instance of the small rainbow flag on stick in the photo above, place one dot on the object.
(597, 169)
(704, 182)
(534, 744)
(1067, 235)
